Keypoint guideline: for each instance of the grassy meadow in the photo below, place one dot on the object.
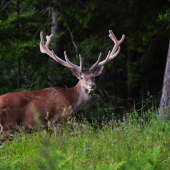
(132, 144)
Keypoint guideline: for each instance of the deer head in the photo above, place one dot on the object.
(86, 78)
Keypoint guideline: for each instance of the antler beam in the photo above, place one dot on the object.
(44, 48)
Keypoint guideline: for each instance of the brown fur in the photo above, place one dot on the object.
(29, 109)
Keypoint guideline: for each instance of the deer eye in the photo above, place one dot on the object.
(92, 78)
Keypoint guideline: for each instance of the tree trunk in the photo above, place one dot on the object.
(55, 30)
(57, 46)
(164, 113)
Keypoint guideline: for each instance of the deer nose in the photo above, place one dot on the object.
(92, 85)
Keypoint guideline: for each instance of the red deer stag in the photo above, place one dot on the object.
(29, 108)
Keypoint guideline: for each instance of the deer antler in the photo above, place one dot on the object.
(67, 63)
(115, 51)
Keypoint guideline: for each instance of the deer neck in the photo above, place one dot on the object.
(80, 97)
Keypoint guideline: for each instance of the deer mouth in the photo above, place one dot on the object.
(90, 91)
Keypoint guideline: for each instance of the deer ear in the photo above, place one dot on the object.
(98, 71)
(75, 73)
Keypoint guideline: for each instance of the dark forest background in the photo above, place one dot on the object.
(81, 26)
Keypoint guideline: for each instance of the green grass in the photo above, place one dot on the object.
(133, 144)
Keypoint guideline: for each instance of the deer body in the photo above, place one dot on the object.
(28, 109)
(32, 108)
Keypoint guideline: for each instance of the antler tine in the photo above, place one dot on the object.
(97, 62)
(45, 49)
(115, 51)
(114, 39)
(70, 63)
(108, 55)
(48, 40)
